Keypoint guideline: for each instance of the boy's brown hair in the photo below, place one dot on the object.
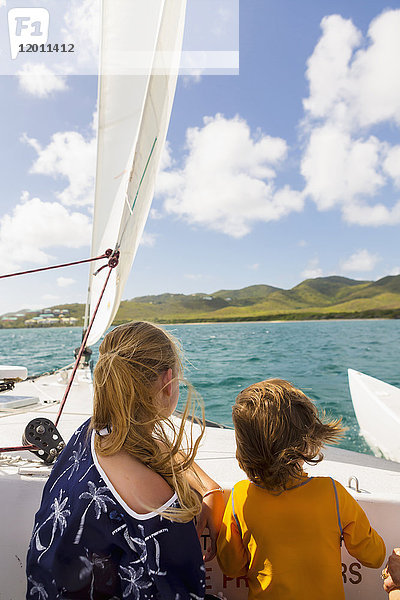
(277, 427)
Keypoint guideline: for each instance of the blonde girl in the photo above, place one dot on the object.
(116, 518)
(282, 528)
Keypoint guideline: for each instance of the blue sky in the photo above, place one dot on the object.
(289, 170)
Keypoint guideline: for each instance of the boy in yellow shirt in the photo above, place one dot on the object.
(281, 528)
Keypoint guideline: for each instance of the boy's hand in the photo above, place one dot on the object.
(388, 585)
(394, 566)
(392, 582)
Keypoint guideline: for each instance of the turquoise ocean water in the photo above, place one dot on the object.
(224, 358)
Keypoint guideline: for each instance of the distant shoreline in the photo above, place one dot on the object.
(320, 299)
(225, 322)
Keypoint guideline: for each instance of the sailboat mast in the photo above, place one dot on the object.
(91, 268)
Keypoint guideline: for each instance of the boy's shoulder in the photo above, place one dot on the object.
(330, 482)
(328, 486)
(323, 482)
(241, 486)
(326, 482)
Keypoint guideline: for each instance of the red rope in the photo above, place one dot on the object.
(18, 448)
(107, 254)
(112, 263)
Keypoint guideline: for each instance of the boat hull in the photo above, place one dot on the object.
(379, 482)
(22, 481)
(377, 408)
(20, 499)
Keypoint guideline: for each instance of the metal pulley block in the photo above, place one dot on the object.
(43, 434)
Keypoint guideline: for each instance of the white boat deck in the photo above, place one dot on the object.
(21, 483)
(49, 389)
(378, 478)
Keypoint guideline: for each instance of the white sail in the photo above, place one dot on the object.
(139, 67)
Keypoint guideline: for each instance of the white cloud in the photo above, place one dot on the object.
(193, 276)
(339, 169)
(375, 82)
(192, 77)
(372, 216)
(82, 26)
(354, 81)
(394, 271)
(303, 243)
(391, 164)
(68, 155)
(40, 81)
(63, 282)
(2, 3)
(148, 240)
(360, 261)
(354, 86)
(313, 269)
(95, 120)
(227, 180)
(166, 157)
(34, 227)
(328, 67)
(155, 214)
(254, 267)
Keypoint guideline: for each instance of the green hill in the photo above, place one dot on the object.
(321, 298)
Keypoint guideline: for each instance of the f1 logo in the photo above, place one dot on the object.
(27, 25)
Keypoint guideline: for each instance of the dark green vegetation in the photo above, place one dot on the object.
(322, 298)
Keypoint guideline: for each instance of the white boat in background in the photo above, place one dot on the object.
(134, 112)
(377, 408)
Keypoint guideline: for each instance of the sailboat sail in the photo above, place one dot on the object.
(138, 73)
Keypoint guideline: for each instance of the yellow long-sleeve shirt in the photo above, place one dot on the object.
(288, 545)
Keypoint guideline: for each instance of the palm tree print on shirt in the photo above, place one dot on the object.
(37, 589)
(58, 515)
(138, 545)
(134, 580)
(97, 496)
(77, 457)
(157, 552)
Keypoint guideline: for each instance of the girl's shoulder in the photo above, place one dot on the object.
(138, 488)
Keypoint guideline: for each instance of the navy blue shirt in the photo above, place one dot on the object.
(87, 543)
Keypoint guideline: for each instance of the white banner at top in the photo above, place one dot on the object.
(62, 38)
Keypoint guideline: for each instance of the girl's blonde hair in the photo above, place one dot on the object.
(277, 427)
(132, 357)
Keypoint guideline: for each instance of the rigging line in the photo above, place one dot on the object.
(130, 208)
(144, 173)
(107, 254)
(112, 263)
(18, 448)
